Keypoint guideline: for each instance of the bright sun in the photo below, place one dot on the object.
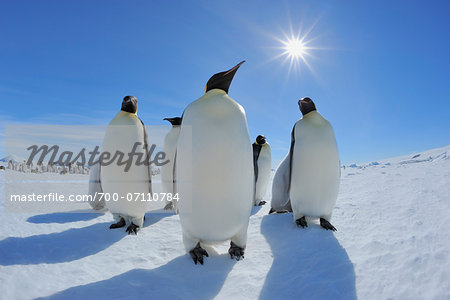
(295, 48)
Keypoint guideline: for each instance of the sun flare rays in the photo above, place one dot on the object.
(296, 49)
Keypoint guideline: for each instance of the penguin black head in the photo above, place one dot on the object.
(260, 139)
(174, 121)
(129, 104)
(306, 105)
(222, 80)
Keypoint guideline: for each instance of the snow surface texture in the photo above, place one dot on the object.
(392, 241)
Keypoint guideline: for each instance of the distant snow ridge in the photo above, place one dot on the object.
(413, 161)
(13, 158)
(417, 158)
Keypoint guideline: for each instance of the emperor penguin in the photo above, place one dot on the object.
(262, 162)
(215, 177)
(126, 134)
(167, 170)
(307, 180)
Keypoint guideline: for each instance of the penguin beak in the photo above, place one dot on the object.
(174, 121)
(222, 80)
(234, 69)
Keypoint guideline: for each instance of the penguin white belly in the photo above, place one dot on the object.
(120, 185)
(215, 181)
(170, 146)
(315, 170)
(264, 167)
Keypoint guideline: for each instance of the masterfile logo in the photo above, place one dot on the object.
(48, 167)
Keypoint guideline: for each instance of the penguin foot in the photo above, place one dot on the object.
(132, 228)
(273, 211)
(261, 203)
(119, 224)
(236, 252)
(169, 206)
(327, 225)
(197, 254)
(301, 222)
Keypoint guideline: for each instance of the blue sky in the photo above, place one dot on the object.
(381, 75)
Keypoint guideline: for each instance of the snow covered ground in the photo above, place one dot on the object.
(393, 241)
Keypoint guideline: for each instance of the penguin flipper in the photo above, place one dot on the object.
(256, 151)
(133, 228)
(119, 224)
(280, 186)
(174, 181)
(197, 254)
(147, 151)
(95, 188)
(236, 252)
(291, 155)
(327, 225)
(282, 180)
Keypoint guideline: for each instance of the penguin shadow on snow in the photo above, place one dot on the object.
(307, 262)
(154, 217)
(178, 279)
(65, 217)
(65, 246)
(256, 209)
